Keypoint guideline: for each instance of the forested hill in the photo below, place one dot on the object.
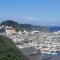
(9, 51)
(28, 27)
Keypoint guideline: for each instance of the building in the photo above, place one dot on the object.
(10, 30)
(19, 32)
(35, 32)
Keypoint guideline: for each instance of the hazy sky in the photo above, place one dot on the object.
(40, 12)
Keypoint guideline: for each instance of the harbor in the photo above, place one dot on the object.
(35, 45)
(46, 43)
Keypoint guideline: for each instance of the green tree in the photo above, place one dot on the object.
(9, 51)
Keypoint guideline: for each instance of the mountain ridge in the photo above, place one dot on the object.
(27, 27)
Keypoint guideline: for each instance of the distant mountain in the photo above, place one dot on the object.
(30, 27)
(10, 23)
(27, 27)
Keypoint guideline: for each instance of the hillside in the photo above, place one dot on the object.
(10, 23)
(29, 27)
(9, 51)
(22, 27)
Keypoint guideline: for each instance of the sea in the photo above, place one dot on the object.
(52, 57)
(46, 57)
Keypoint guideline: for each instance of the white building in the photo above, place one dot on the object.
(26, 32)
(19, 32)
(34, 32)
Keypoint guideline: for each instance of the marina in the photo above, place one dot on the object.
(45, 42)
(35, 45)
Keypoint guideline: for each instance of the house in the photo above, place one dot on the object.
(35, 32)
(26, 32)
(10, 30)
(19, 32)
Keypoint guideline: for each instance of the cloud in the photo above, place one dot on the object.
(54, 21)
(26, 18)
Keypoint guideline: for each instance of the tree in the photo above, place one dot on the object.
(9, 51)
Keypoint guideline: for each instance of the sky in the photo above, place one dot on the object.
(36, 12)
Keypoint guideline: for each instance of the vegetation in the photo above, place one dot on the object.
(23, 27)
(9, 51)
(10, 23)
(2, 30)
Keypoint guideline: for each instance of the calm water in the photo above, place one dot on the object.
(46, 57)
(53, 57)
